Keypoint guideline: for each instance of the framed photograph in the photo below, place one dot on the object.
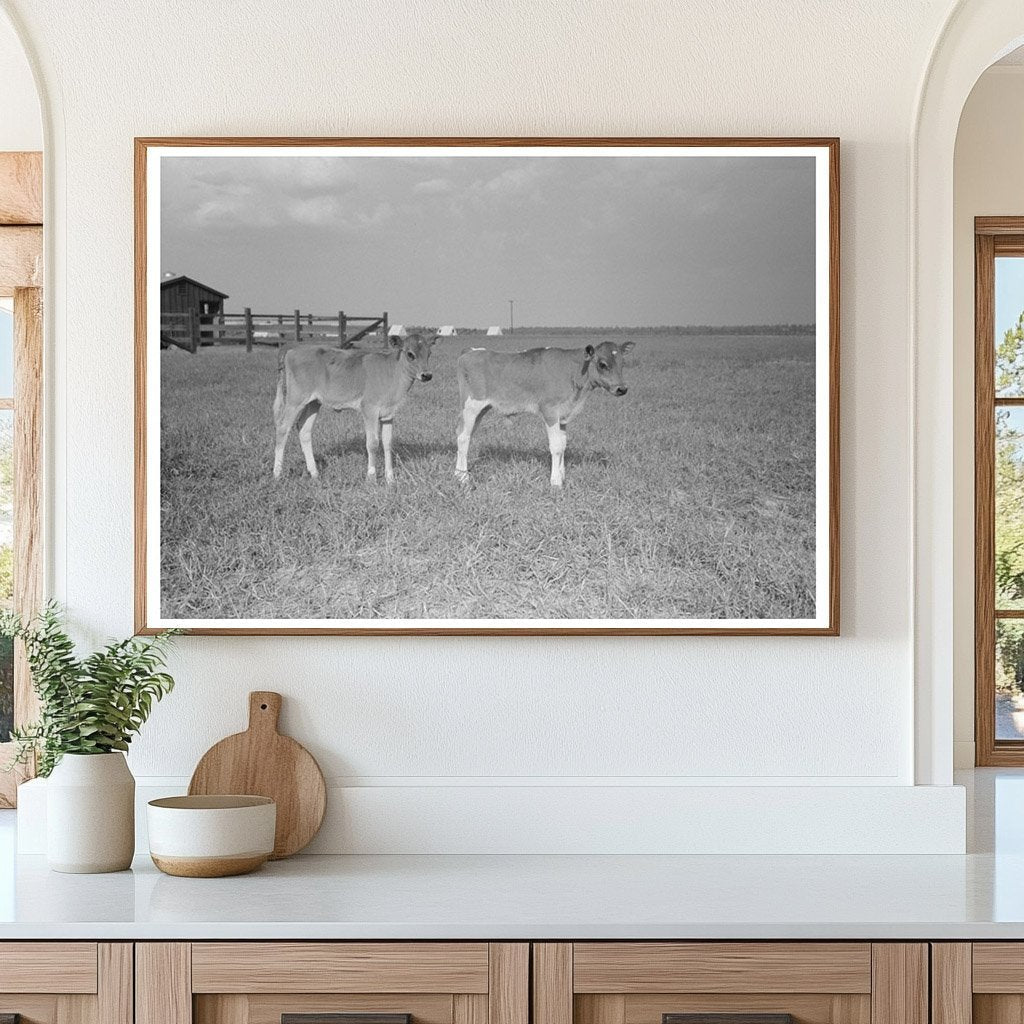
(498, 386)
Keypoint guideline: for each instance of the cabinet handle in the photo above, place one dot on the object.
(727, 1018)
(337, 1018)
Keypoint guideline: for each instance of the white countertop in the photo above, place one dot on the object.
(977, 896)
(497, 897)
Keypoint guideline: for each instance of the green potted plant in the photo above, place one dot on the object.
(90, 708)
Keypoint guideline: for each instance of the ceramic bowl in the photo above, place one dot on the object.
(211, 836)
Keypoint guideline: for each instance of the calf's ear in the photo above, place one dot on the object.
(627, 346)
(589, 350)
(394, 341)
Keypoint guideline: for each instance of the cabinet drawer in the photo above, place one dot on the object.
(981, 982)
(998, 967)
(64, 967)
(332, 983)
(634, 967)
(66, 982)
(730, 983)
(643, 982)
(340, 967)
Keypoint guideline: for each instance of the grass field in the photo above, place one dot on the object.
(690, 497)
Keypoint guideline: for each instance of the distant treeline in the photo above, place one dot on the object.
(682, 329)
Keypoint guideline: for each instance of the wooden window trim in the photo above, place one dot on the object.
(21, 269)
(21, 188)
(993, 236)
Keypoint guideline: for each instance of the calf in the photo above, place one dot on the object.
(552, 383)
(375, 384)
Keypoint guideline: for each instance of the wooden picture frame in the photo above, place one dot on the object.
(150, 151)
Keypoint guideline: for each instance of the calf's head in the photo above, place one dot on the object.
(604, 366)
(413, 355)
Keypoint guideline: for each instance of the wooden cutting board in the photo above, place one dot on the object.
(262, 762)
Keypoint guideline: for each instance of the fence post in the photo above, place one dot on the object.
(384, 321)
(342, 330)
(298, 327)
(193, 329)
(248, 329)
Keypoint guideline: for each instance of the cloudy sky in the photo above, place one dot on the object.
(576, 241)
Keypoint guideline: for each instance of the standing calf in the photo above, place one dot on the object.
(552, 383)
(375, 384)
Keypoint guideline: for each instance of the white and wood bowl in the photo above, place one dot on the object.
(211, 836)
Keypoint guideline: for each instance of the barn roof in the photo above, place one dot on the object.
(192, 280)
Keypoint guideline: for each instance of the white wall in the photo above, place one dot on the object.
(21, 127)
(988, 180)
(451, 713)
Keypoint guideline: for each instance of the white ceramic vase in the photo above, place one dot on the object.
(90, 814)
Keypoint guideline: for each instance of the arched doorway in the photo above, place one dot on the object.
(976, 34)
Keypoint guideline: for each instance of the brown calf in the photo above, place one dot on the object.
(374, 384)
(552, 383)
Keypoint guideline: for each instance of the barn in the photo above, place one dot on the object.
(181, 294)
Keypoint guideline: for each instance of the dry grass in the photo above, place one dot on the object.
(691, 497)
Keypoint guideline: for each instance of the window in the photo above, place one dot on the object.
(21, 367)
(20, 502)
(999, 490)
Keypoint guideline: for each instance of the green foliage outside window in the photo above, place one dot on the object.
(1009, 510)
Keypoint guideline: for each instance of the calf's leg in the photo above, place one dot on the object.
(471, 411)
(306, 420)
(284, 419)
(372, 423)
(386, 429)
(556, 443)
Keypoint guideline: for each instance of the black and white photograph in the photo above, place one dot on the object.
(449, 387)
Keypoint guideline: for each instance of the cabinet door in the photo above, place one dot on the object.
(332, 983)
(66, 983)
(730, 983)
(980, 982)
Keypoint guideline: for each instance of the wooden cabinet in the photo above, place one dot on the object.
(494, 983)
(757, 982)
(263, 982)
(978, 983)
(66, 982)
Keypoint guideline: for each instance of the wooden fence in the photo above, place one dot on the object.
(189, 331)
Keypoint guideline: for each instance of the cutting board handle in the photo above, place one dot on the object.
(264, 710)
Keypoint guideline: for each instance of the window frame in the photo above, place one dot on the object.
(21, 272)
(28, 556)
(993, 237)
